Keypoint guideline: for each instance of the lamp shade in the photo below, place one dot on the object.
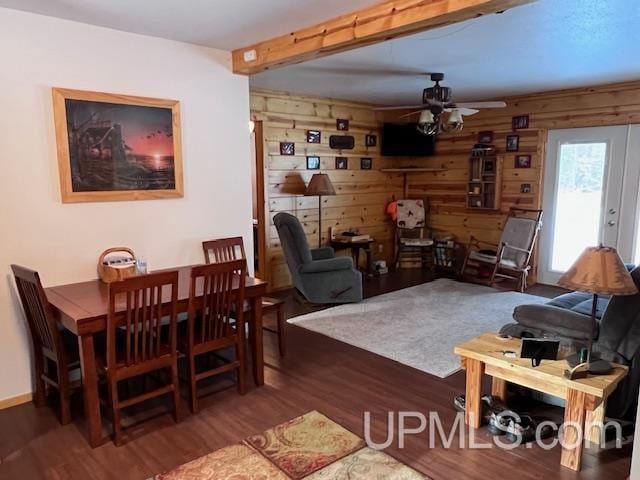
(320, 184)
(599, 270)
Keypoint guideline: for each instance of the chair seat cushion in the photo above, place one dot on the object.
(492, 259)
(483, 257)
(416, 242)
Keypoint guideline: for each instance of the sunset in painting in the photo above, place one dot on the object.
(120, 147)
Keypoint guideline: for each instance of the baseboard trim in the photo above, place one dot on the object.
(17, 400)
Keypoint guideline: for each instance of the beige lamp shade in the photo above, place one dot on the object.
(320, 184)
(599, 270)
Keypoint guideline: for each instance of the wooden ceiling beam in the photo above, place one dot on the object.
(387, 20)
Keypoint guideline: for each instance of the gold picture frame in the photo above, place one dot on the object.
(124, 147)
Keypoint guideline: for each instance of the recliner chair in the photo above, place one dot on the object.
(317, 274)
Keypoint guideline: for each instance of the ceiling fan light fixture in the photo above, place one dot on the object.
(454, 122)
(426, 116)
(428, 124)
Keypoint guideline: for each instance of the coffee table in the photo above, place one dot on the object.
(585, 398)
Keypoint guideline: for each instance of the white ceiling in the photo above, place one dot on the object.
(547, 45)
(225, 24)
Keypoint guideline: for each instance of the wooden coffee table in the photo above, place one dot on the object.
(585, 398)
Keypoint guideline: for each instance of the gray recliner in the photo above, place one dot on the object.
(317, 274)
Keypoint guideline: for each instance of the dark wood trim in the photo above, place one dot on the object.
(263, 264)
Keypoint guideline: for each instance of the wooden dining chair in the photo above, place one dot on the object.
(51, 346)
(216, 296)
(142, 339)
(225, 249)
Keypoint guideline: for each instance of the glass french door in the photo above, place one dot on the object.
(592, 176)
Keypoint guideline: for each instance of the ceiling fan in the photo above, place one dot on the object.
(436, 101)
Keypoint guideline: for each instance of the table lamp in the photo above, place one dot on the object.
(600, 271)
(320, 185)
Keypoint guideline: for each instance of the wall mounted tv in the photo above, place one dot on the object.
(404, 140)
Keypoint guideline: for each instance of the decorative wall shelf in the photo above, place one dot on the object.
(484, 187)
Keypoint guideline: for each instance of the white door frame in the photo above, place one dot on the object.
(630, 210)
(616, 139)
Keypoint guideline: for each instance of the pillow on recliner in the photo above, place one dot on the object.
(580, 302)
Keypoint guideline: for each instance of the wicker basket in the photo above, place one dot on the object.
(119, 267)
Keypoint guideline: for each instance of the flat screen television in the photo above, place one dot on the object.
(404, 140)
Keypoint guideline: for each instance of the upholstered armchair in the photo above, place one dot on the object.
(317, 274)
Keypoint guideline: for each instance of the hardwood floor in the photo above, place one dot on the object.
(318, 373)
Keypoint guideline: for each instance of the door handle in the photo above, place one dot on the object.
(611, 223)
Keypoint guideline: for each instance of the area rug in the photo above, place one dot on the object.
(419, 326)
(309, 447)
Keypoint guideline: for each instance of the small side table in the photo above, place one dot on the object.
(355, 248)
(585, 398)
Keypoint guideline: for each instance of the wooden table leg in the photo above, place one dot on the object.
(368, 255)
(257, 347)
(90, 389)
(473, 407)
(573, 430)
(594, 423)
(499, 389)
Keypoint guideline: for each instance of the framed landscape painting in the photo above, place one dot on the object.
(117, 147)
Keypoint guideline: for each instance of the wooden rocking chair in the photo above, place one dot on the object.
(512, 255)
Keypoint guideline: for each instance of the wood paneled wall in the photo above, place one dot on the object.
(362, 195)
(616, 104)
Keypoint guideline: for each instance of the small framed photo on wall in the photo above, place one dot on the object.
(485, 137)
(520, 122)
(371, 140)
(342, 163)
(287, 148)
(313, 163)
(525, 188)
(314, 136)
(513, 143)
(342, 125)
(366, 163)
(523, 161)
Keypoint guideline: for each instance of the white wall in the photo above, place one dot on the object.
(63, 241)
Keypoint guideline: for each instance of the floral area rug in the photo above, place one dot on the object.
(312, 447)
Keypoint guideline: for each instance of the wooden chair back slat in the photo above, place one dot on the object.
(136, 311)
(221, 287)
(36, 308)
(224, 250)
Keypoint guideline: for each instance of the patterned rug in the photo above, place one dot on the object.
(312, 447)
(419, 326)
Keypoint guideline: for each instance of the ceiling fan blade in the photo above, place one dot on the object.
(466, 112)
(480, 105)
(400, 107)
(410, 114)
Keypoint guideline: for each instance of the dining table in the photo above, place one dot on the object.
(82, 309)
